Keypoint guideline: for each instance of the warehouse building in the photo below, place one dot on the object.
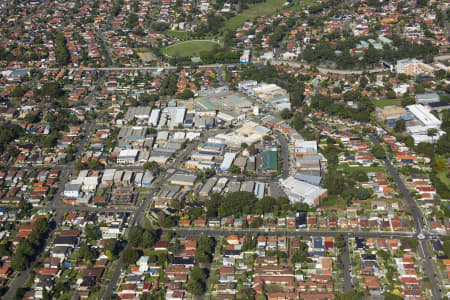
(424, 116)
(270, 161)
(427, 98)
(127, 157)
(299, 191)
(207, 188)
(185, 180)
(154, 117)
(228, 159)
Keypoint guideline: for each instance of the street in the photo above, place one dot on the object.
(427, 265)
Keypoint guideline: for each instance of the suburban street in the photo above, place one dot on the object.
(418, 223)
(346, 265)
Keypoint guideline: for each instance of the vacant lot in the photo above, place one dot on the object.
(189, 48)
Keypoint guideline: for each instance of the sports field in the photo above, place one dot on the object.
(189, 48)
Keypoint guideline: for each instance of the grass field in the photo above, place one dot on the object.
(443, 174)
(387, 102)
(189, 48)
(263, 9)
(181, 35)
(349, 169)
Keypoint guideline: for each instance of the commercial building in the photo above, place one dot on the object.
(427, 98)
(270, 161)
(412, 67)
(72, 191)
(207, 188)
(183, 179)
(259, 190)
(299, 191)
(154, 117)
(228, 159)
(424, 116)
(245, 57)
(139, 113)
(127, 157)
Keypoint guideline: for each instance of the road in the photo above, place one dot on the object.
(427, 264)
(346, 265)
(214, 66)
(284, 155)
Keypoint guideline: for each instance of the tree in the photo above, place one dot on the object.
(408, 101)
(151, 165)
(301, 255)
(92, 233)
(378, 151)
(87, 253)
(409, 142)
(186, 94)
(17, 91)
(198, 274)
(252, 149)
(19, 262)
(130, 256)
(391, 95)
(362, 193)
(339, 241)
(135, 236)
(195, 287)
(363, 82)
(51, 89)
(298, 123)
(205, 249)
(111, 248)
(148, 238)
(235, 169)
(286, 114)
(62, 55)
(31, 118)
(41, 226)
(349, 295)
(425, 148)
(400, 126)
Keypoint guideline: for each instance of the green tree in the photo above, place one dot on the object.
(130, 256)
(148, 238)
(400, 126)
(19, 262)
(378, 151)
(198, 274)
(135, 236)
(362, 193)
(408, 101)
(286, 114)
(92, 233)
(195, 287)
(61, 52)
(235, 169)
(298, 123)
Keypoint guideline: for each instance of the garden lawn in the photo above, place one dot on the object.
(387, 102)
(189, 48)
